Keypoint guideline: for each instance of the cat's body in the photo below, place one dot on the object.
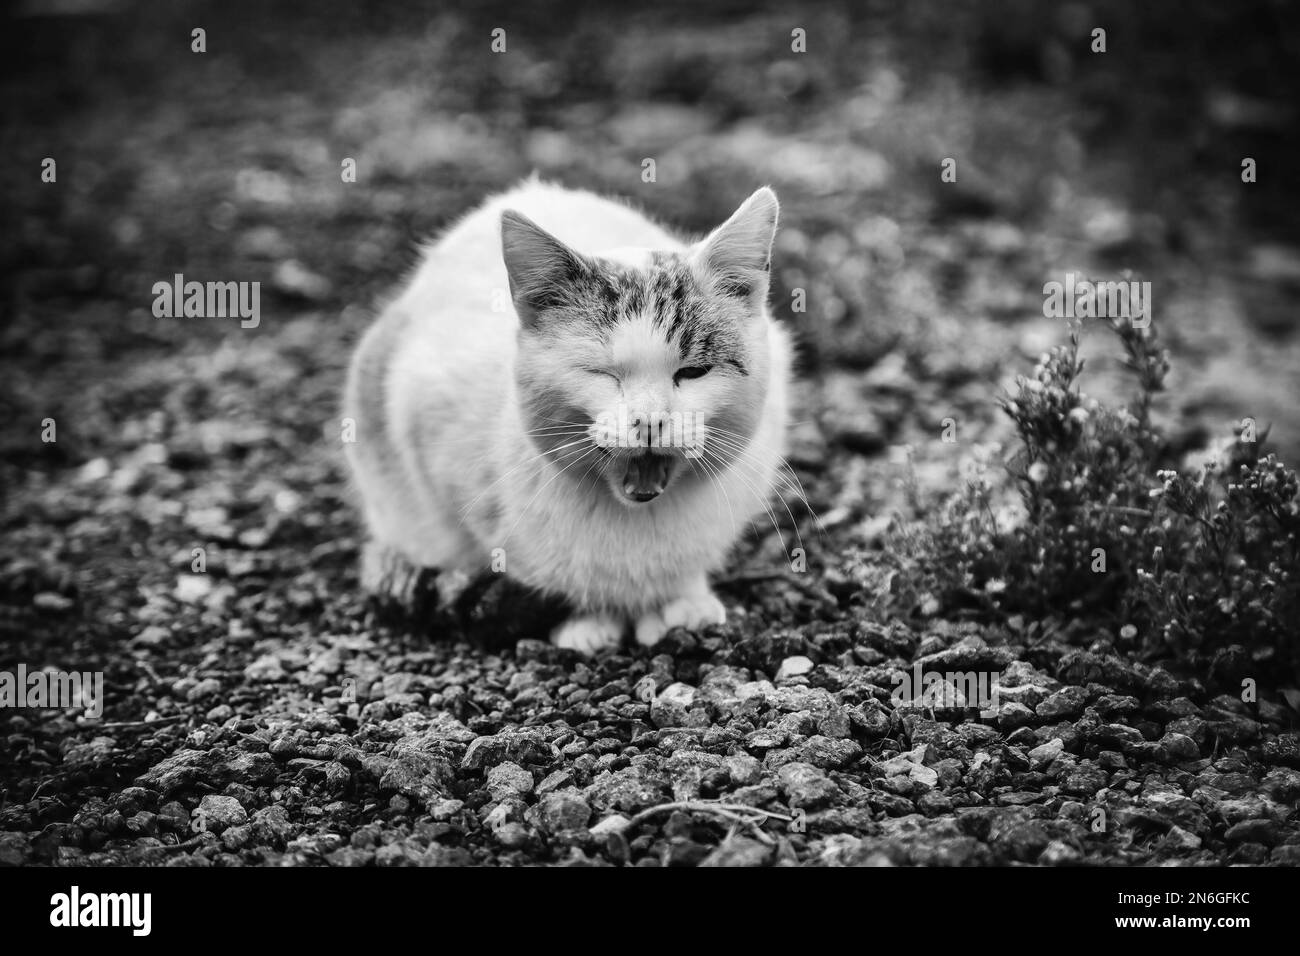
(473, 424)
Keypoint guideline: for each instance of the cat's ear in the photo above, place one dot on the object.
(736, 256)
(541, 269)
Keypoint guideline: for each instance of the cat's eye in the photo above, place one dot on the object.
(691, 371)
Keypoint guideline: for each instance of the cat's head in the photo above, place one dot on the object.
(640, 370)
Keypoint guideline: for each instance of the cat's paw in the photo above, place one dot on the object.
(691, 612)
(389, 576)
(588, 634)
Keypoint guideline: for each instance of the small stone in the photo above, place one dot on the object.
(508, 779)
(51, 601)
(1253, 831)
(671, 705)
(738, 851)
(215, 813)
(266, 668)
(1067, 702)
(1179, 839)
(205, 688)
(806, 786)
(563, 810)
(925, 776)
(236, 837)
(1179, 748)
(1058, 853)
(743, 769)
(1287, 855)
(555, 781)
(1044, 754)
(793, 667)
(1014, 715)
(512, 836)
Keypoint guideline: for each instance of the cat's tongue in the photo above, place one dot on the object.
(646, 475)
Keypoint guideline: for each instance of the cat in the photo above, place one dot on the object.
(570, 393)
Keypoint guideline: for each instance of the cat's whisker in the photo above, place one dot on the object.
(716, 480)
(758, 496)
(747, 454)
(784, 468)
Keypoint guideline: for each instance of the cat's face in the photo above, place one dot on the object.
(642, 371)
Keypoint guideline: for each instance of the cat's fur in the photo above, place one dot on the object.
(473, 423)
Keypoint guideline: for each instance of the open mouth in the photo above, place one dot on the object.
(647, 475)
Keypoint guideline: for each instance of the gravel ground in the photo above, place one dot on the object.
(259, 711)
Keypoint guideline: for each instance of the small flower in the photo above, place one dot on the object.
(1037, 472)
(1128, 632)
(995, 586)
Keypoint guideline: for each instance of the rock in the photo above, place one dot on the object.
(925, 776)
(806, 786)
(630, 789)
(291, 277)
(512, 835)
(672, 705)
(743, 769)
(1084, 780)
(1179, 839)
(1283, 749)
(1253, 831)
(236, 837)
(266, 668)
(1282, 784)
(1044, 754)
(971, 653)
(1059, 853)
(522, 745)
(1287, 855)
(216, 813)
(1193, 727)
(1179, 748)
(1014, 715)
(793, 667)
(421, 776)
(1024, 841)
(562, 811)
(508, 780)
(271, 825)
(828, 753)
(555, 781)
(1067, 702)
(738, 851)
(204, 688)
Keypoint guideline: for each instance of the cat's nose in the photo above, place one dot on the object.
(646, 476)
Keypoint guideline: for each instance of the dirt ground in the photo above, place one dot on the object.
(260, 712)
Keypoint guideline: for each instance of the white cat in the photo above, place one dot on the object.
(569, 391)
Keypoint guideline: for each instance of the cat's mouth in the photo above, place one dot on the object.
(645, 476)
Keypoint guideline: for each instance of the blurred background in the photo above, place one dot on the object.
(921, 297)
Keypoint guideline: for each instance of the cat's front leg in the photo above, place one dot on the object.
(696, 608)
(388, 575)
(588, 633)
